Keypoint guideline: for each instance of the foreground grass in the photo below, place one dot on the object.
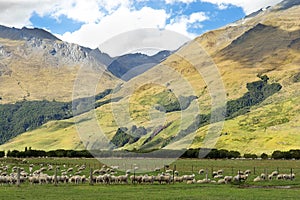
(275, 189)
(177, 191)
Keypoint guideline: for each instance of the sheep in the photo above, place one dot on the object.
(263, 176)
(270, 177)
(214, 173)
(33, 179)
(135, 178)
(50, 168)
(164, 178)
(201, 171)
(274, 173)
(78, 172)
(228, 179)
(123, 179)
(240, 172)
(191, 181)
(178, 179)
(107, 178)
(239, 178)
(247, 172)
(100, 179)
(81, 168)
(148, 179)
(69, 170)
(279, 176)
(42, 178)
(289, 176)
(204, 181)
(258, 179)
(157, 169)
(188, 177)
(220, 172)
(221, 181)
(218, 176)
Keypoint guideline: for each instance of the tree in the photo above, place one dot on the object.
(264, 156)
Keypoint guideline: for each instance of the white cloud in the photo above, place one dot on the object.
(17, 13)
(182, 23)
(182, 1)
(122, 20)
(249, 6)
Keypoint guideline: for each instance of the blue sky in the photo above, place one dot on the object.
(91, 22)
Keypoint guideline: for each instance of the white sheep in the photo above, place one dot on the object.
(258, 179)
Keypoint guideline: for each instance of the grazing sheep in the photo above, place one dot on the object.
(204, 181)
(137, 179)
(70, 170)
(228, 179)
(270, 177)
(258, 179)
(220, 172)
(107, 178)
(188, 177)
(280, 177)
(123, 179)
(247, 172)
(218, 176)
(191, 181)
(148, 179)
(78, 172)
(178, 179)
(221, 181)
(263, 176)
(157, 169)
(164, 179)
(113, 179)
(274, 173)
(240, 172)
(201, 171)
(214, 173)
(33, 180)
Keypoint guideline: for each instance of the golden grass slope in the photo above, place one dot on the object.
(266, 44)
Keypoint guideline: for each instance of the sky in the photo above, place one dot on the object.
(90, 23)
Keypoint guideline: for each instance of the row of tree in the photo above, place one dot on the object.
(190, 153)
(54, 153)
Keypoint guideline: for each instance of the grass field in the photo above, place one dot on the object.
(275, 189)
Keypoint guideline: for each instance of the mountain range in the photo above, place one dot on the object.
(171, 98)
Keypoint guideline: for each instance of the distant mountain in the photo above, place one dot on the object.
(131, 65)
(25, 33)
(36, 65)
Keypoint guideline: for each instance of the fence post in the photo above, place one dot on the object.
(18, 177)
(174, 174)
(55, 176)
(91, 176)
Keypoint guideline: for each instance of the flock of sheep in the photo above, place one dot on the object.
(109, 175)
